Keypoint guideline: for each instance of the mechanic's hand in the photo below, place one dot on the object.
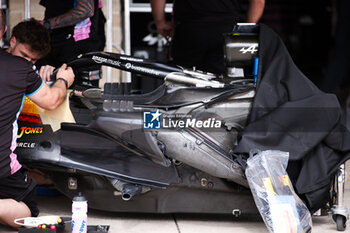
(46, 72)
(164, 28)
(66, 73)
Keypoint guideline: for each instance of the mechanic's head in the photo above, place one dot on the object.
(30, 40)
(3, 27)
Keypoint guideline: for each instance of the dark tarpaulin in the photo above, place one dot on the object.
(291, 114)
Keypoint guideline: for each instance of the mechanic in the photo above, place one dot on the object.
(29, 42)
(199, 26)
(76, 27)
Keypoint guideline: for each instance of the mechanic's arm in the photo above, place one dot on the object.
(158, 11)
(51, 97)
(84, 9)
(255, 10)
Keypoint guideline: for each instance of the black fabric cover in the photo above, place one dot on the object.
(291, 114)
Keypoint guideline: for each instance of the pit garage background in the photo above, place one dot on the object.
(307, 28)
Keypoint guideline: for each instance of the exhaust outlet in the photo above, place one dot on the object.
(130, 190)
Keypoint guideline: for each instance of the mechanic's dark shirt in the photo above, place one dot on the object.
(206, 10)
(55, 8)
(81, 31)
(18, 79)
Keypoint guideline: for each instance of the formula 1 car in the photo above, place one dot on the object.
(165, 151)
(172, 150)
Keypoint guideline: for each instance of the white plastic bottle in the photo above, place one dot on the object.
(79, 216)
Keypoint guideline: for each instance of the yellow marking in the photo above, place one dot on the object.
(268, 186)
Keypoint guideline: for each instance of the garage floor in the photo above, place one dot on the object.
(176, 223)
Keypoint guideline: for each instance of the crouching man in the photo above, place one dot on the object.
(29, 42)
